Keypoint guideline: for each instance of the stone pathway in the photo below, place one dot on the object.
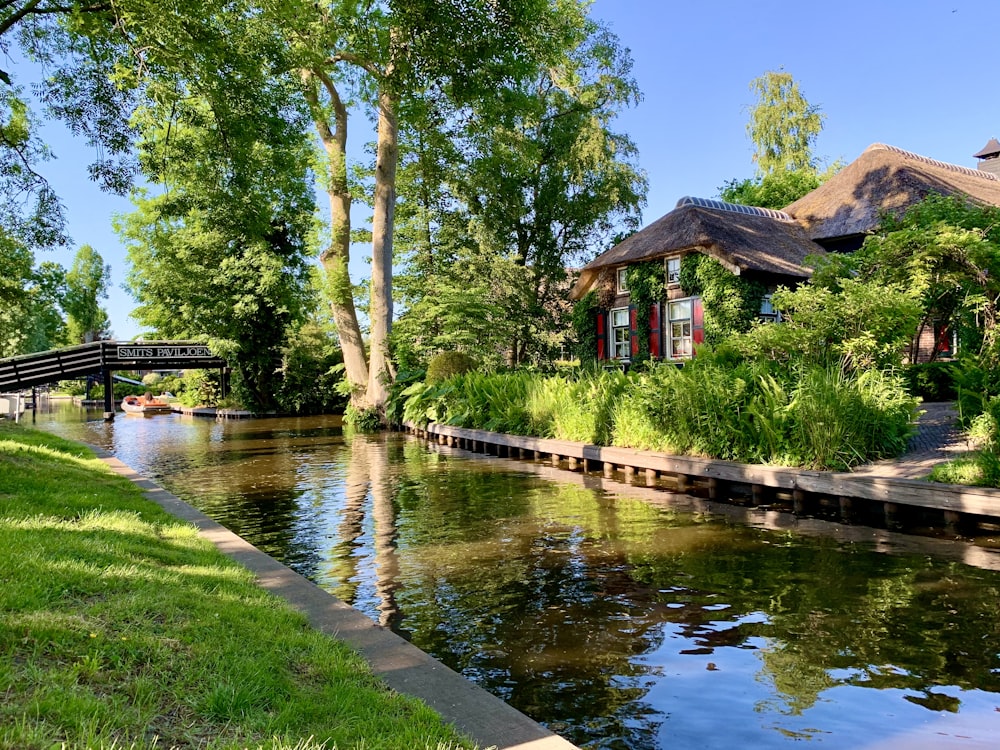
(937, 439)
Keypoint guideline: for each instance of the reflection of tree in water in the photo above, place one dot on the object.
(543, 614)
(836, 616)
(367, 490)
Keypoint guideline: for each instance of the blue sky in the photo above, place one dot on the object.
(921, 75)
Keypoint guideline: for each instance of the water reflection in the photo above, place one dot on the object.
(619, 622)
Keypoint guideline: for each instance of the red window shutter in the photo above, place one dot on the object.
(602, 336)
(654, 330)
(633, 340)
(697, 321)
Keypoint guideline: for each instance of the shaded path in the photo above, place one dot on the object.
(937, 439)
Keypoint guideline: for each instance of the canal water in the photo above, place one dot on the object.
(630, 619)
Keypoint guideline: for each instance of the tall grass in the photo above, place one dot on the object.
(579, 409)
(747, 411)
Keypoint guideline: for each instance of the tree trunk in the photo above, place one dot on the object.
(337, 256)
(379, 371)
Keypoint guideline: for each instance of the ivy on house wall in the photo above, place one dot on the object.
(731, 303)
(645, 287)
(584, 327)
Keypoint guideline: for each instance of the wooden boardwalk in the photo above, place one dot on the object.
(883, 493)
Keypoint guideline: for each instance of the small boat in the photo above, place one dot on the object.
(141, 406)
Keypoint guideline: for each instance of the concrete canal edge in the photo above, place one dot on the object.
(401, 665)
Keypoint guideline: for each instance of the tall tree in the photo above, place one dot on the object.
(86, 285)
(541, 182)
(783, 125)
(387, 53)
(221, 252)
(783, 128)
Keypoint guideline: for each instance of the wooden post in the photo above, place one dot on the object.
(757, 494)
(572, 464)
(716, 488)
(538, 455)
(585, 464)
(650, 477)
(953, 521)
(682, 482)
(798, 501)
(555, 460)
(891, 511)
(846, 509)
(109, 396)
(609, 470)
(629, 473)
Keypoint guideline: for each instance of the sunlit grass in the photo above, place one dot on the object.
(121, 628)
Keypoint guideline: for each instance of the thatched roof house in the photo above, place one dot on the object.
(766, 245)
(884, 179)
(744, 239)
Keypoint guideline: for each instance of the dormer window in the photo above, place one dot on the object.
(673, 266)
(622, 276)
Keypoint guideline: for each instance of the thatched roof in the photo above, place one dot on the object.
(885, 179)
(742, 238)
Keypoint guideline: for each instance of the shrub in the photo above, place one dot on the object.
(932, 381)
(447, 364)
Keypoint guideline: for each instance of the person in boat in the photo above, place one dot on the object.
(147, 398)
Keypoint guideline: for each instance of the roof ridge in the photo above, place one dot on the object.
(933, 162)
(736, 208)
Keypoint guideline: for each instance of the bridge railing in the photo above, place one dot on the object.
(47, 367)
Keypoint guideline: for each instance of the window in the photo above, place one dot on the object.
(767, 312)
(673, 270)
(622, 281)
(679, 315)
(620, 348)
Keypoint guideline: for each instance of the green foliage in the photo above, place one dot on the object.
(731, 302)
(946, 253)
(783, 125)
(583, 318)
(204, 267)
(645, 287)
(447, 364)
(718, 405)
(200, 388)
(932, 381)
(864, 325)
(86, 284)
(980, 467)
(311, 372)
(534, 181)
(773, 190)
(363, 420)
(579, 408)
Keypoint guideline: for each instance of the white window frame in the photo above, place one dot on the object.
(680, 328)
(621, 280)
(673, 279)
(620, 346)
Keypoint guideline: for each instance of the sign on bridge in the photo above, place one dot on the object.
(164, 352)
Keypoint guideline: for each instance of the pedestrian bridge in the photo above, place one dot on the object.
(103, 358)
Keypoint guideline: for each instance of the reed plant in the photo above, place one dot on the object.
(717, 406)
(579, 408)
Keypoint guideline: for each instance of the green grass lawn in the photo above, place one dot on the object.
(120, 628)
